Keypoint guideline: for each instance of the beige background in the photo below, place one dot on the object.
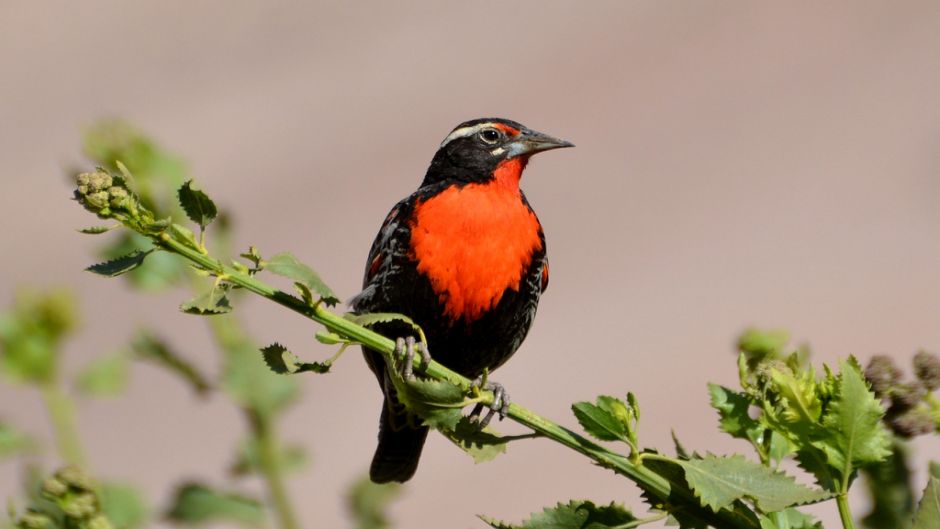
(737, 164)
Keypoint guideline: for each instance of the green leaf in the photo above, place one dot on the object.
(150, 348)
(576, 514)
(373, 318)
(211, 303)
(121, 265)
(733, 413)
(791, 519)
(289, 459)
(163, 268)
(286, 265)
(96, 230)
(196, 504)
(14, 443)
(482, 445)
(368, 502)
(284, 362)
(123, 506)
(197, 205)
(106, 376)
(856, 435)
(928, 512)
(437, 402)
(719, 481)
(600, 420)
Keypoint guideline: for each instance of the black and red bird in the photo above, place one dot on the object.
(464, 257)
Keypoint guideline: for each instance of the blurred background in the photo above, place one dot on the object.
(737, 164)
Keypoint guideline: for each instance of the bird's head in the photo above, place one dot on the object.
(485, 149)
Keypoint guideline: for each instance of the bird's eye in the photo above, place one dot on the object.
(490, 136)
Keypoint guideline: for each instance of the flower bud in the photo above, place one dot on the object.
(97, 200)
(54, 488)
(913, 423)
(35, 520)
(100, 522)
(99, 181)
(927, 369)
(81, 505)
(906, 396)
(882, 374)
(76, 478)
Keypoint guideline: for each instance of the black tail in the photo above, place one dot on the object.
(400, 444)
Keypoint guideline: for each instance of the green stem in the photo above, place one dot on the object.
(842, 500)
(669, 493)
(62, 415)
(271, 470)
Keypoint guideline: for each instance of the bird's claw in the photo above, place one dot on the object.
(500, 403)
(406, 349)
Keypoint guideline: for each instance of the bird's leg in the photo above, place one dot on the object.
(500, 403)
(406, 349)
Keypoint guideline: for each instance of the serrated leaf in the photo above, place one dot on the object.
(732, 408)
(163, 268)
(856, 435)
(368, 502)
(196, 504)
(290, 458)
(13, 443)
(121, 265)
(482, 445)
(96, 230)
(284, 362)
(371, 318)
(435, 401)
(286, 265)
(928, 511)
(719, 481)
(148, 347)
(792, 519)
(211, 303)
(123, 506)
(576, 514)
(599, 422)
(197, 205)
(104, 377)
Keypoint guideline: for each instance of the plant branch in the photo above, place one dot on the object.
(845, 513)
(270, 468)
(663, 489)
(62, 415)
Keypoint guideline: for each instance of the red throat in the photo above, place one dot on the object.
(476, 242)
(508, 173)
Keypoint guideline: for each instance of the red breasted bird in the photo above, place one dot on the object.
(464, 257)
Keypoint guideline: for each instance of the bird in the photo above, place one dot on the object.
(464, 257)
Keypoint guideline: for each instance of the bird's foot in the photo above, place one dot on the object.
(500, 403)
(405, 348)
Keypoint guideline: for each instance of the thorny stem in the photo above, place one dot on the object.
(62, 415)
(666, 492)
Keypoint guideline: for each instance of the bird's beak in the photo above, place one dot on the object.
(530, 142)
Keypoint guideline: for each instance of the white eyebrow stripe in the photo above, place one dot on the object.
(463, 132)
